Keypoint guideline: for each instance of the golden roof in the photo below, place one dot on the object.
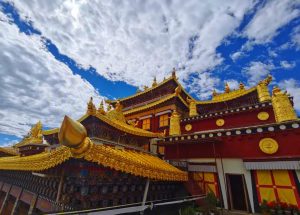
(33, 137)
(155, 103)
(156, 85)
(114, 122)
(9, 150)
(136, 163)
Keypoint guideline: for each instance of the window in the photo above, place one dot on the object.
(146, 124)
(163, 120)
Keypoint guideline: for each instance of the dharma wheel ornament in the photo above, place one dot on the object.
(263, 116)
(74, 135)
(220, 122)
(268, 146)
(188, 127)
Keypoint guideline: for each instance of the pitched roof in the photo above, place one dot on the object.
(129, 161)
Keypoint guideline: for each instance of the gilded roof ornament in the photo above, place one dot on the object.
(192, 107)
(174, 73)
(227, 88)
(34, 136)
(91, 108)
(74, 135)
(154, 84)
(241, 86)
(214, 93)
(175, 124)
(101, 108)
(282, 106)
(117, 113)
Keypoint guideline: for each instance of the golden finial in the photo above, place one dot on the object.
(74, 135)
(101, 108)
(154, 82)
(214, 93)
(227, 88)
(174, 73)
(91, 109)
(145, 87)
(242, 86)
(71, 133)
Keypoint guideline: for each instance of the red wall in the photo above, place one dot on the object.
(243, 146)
(233, 120)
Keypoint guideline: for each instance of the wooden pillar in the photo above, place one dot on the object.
(14, 211)
(5, 199)
(60, 186)
(32, 204)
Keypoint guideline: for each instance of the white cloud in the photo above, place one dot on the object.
(203, 85)
(233, 84)
(236, 55)
(270, 18)
(293, 87)
(256, 71)
(34, 86)
(287, 65)
(127, 40)
(296, 38)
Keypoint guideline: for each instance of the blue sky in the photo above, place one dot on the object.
(57, 54)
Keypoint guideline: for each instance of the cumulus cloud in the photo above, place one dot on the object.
(236, 55)
(257, 71)
(296, 38)
(34, 85)
(125, 40)
(293, 87)
(270, 18)
(203, 85)
(287, 65)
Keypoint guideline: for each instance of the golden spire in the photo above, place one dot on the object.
(101, 110)
(192, 107)
(214, 93)
(175, 124)
(262, 89)
(91, 109)
(74, 135)
(227, 88)
(282, 106)
(154, 82)
(241, 86)
(174, 73)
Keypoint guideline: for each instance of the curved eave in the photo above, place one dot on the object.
(231, 96)
(153, 104)
(132, 162)
(116, 124)
(11, 152)
(127, 128)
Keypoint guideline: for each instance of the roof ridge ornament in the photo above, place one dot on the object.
(91, 108)
(154, 84)
(174, 73)
(262, 89)
(282, 106)
(227, 88)
(73, 135)
(34, 135)
(101, 110)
